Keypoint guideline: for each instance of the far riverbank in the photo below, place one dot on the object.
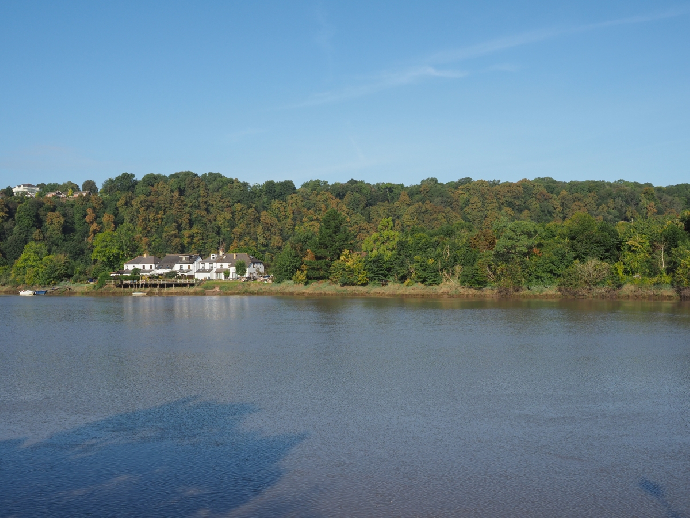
(325, 288)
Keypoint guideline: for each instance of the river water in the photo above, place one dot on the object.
(284, 406)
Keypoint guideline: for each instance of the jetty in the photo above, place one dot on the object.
(143, 284)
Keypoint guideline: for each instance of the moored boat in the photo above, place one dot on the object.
(26, 293)
(40, 292)
(138, 294)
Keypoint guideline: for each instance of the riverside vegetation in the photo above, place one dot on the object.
(538, 236)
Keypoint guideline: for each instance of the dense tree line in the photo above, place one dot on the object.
(539, 232)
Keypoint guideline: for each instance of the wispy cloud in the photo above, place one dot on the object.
(382, 81)
(325, 32)
(394, 78)
(236, 136)
(526, 38)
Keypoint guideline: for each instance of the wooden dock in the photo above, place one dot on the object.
(144, 284)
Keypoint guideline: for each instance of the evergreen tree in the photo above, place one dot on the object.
(286, 264)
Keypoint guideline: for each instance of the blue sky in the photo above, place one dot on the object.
(379, 91)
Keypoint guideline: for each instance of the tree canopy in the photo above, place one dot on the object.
(476, 233)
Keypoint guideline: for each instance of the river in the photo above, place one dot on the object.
(288, 406)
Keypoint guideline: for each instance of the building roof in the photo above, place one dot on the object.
(144, 260)
(173, 259)
(232, 257)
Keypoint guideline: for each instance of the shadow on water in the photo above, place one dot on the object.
(182, 458)
(657, 493)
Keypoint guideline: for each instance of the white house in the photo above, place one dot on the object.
(215, 266)
(255, 267)
(28, 189)
(146, 263)
(182, 264)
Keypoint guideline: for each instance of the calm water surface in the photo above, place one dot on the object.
(263, 406)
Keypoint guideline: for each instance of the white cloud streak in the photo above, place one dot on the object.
(382, 81)
(391, 79)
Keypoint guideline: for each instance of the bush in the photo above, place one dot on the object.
(474, 276)
(349, 270)
(425, 270)
(300, 276)
(586, 276)
(102, 279)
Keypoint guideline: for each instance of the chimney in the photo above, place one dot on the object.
(146, 254)
(234, 256)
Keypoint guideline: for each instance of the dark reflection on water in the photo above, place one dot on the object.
(179, 459)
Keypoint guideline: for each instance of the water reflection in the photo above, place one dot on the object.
(183, 458)
(413, 407)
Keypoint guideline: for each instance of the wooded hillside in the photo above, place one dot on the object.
(477, 233)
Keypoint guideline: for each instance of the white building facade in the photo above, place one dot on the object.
(224, 266)
(147, 264)
(182, 264)
(28, 189)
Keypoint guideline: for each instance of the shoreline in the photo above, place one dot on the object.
(327, 289)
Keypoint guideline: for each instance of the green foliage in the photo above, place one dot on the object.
(588, 238)
(517, 240)
(425, 270)
(333, 237)
(36, 267)
(7, 192)
(240, 268)
(681, 276)
(103, 278)
(111, 249)
(585, 276)
(510, 277)
(286, 264)
(475, 232)
(380, 249)
(377, 267)
(54, 268)
(300, 276)
(27, 268)
(349, 270)
(547, 263)
(89, 186)
(474, 276)
(119, 185)
(383, 242)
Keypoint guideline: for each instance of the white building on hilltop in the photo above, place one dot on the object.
(28, 189)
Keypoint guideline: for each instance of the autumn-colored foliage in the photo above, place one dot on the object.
(475, 233)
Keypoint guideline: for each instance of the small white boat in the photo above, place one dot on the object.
(138, 294)
(26, 293)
